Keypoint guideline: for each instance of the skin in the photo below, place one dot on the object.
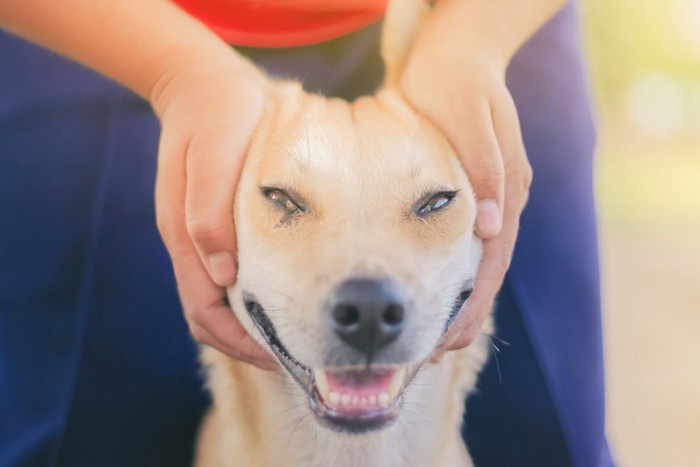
(209, 101)
(463, 49)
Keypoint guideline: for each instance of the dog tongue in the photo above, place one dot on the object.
(360, 383)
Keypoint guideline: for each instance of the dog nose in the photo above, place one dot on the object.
(367, 314)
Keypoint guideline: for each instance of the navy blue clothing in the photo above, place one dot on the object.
(96, 365)
(551, 295)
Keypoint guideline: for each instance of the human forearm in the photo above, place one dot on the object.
(492, 28)
(138, 43)
(209, 100)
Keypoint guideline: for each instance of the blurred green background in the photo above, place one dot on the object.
(644, 62)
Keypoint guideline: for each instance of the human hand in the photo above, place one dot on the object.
(463, 92)
(209, 101)
(207, 117)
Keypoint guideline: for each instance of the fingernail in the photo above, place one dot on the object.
(488, 218)
(222, 267)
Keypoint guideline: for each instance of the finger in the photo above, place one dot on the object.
(475, 142)
(200, 296)
(255, 355)
(495, 261)
(210, 317)
(498, 251)
(214, 162)
(518, 172)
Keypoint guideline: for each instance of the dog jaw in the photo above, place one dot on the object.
(257, 420)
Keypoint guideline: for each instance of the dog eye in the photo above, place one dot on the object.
(437, 201)
(283, 201)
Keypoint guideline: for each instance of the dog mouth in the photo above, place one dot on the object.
(360, 399)
(352, 399)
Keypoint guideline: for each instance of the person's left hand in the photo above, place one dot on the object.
(462, 91)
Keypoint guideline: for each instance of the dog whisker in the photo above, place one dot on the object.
(420, 417)
(495, 337)
(294, 410)
(495, 350)
(439, 292)
(407, 431)
(296, 425)
(278, 140)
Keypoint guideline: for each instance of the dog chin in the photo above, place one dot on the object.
(350, 399)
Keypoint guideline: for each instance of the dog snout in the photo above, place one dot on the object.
(367, 314)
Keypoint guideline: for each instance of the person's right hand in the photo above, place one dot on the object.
(208, 116)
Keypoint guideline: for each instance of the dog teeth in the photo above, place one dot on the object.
(384, 398)
(321, 383)
(355, 399)
(397, 382)
(348, 400)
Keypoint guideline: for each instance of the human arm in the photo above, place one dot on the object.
(208, 99)
(462, 53)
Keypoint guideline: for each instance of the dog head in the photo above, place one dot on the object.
(356, 248)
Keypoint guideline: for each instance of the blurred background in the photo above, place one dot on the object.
(644, 61)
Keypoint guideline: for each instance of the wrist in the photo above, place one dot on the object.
(486, 31)
(193, 75)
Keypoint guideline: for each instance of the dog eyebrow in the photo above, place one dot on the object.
(433, 190)
(295, 152)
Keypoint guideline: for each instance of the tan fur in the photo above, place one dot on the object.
(360, 167)
(274, 429)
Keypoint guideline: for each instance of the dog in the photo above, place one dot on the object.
(356, 250)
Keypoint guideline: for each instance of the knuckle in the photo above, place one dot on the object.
(504, 259)
(500, 261)
(487, 179)
(164, 227)
(204, 227)
(527, 175)
(193, 313)
(484, 157)
(483, 151)
(520, 175)
(485, 169)
(198, 334)
(524, 200)
(501, 267)
(524, 182)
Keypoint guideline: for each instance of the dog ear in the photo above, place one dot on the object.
(402, 21)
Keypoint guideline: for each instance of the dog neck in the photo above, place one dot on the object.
(261, 418)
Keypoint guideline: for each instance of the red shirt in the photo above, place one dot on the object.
(283, 23)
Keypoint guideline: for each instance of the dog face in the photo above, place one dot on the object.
(354, 225)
